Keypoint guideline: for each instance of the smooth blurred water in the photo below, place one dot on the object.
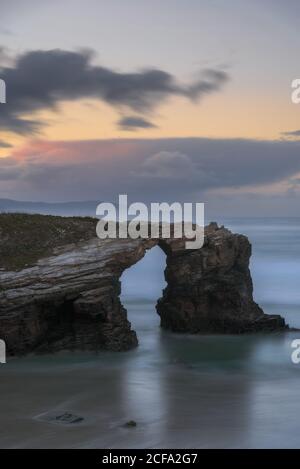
(183, 391)
(275, 263)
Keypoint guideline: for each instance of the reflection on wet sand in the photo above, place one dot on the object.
(183, 391)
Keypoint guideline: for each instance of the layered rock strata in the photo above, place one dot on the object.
(71, 299)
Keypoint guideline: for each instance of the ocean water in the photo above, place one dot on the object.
(182, 390)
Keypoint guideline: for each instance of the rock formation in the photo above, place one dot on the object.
(210, 290)
(70, 299)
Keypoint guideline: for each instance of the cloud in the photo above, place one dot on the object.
(9, 169)
(167, 164)
(291, 133)
(32, 171)
(211, 81)
(134, 123)
(5, 144)
(43, 79)
(181, 169)
(5, 57)
(175, 166)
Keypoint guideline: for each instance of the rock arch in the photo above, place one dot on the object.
(71, 299)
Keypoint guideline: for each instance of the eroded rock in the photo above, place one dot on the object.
(210, 290)
(70, 299)
(62, 418)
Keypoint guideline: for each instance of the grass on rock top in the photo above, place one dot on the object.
(25, 238)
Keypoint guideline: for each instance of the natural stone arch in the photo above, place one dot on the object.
(71, 300)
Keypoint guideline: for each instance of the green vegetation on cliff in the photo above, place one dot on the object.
(25, 238)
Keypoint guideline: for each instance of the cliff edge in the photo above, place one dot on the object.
(60, 285)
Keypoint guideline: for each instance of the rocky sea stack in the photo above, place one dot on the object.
(60, 285)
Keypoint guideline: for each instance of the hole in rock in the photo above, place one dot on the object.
(142, 285)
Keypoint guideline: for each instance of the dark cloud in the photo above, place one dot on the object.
(211, 81)
(43, 79)
(32, 171)
(291, 133)
(10, 169)
(5, 144)
(150, 170)
(201, 164)
(134, 123)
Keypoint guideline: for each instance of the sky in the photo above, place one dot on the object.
(164, 101)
